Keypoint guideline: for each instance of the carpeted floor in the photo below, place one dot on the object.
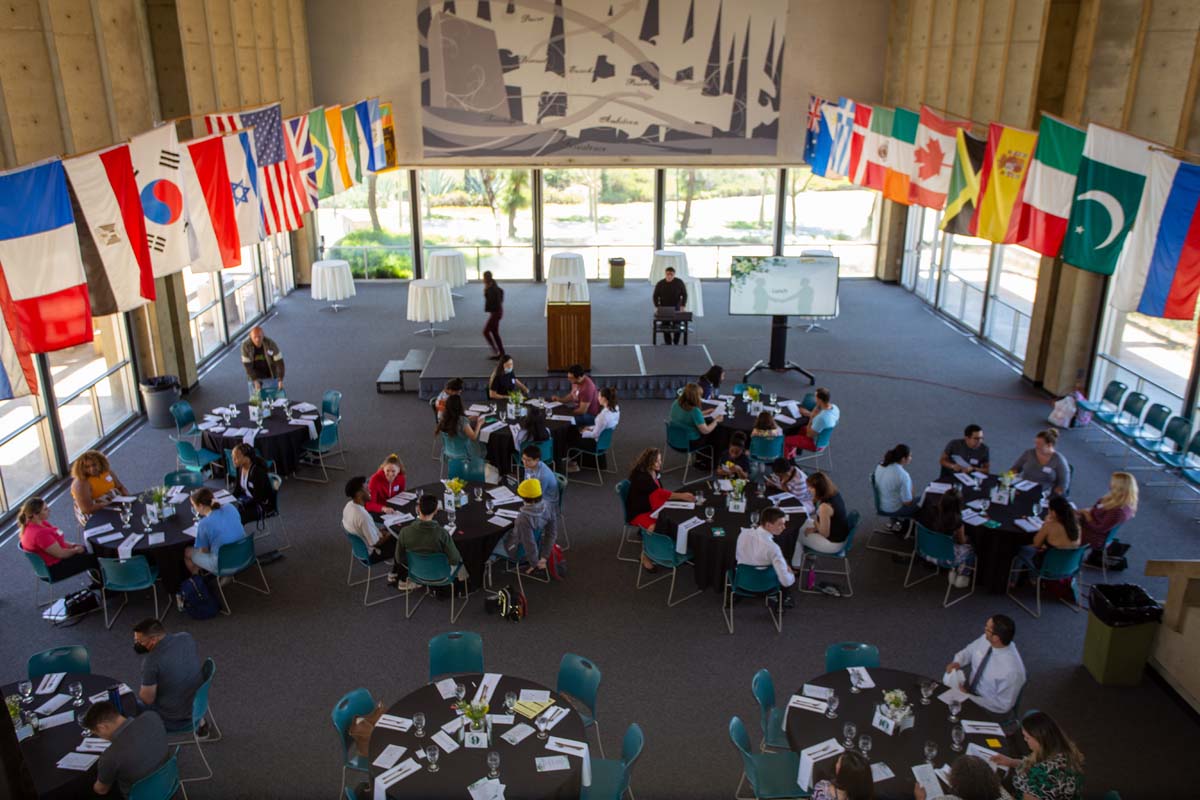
(898, 372)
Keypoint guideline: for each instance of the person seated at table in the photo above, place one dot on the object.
(253, 493)
(263, 362)
(1053, 770)
(735, 461)
(93, 484)
(852, 780)
(1115, 508)
(687, 413)
(968, 454)
(609, 417)
(827, 530)
(453, 388)
(170, 674)
(787, 476)
(357, 520)
(532, 427)
(454, 422)
(536, 514)
(425, 535)
(822, 416)
(894, 484)
(219, 525)
(971, 778)
(765, 425)
(504, 380)
(646, 493)
(139, 746)
(583, 401)
(534, 467)
(945, 516)
(990, 668)
(710, 382)
(670, 293)
(387, 482)
(39, 537)
(757, 548)
(1044, 465)
(1060, 531)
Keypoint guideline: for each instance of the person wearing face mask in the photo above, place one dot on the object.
(387, 482)
(170, 674)
(504, 380)
(137, 747)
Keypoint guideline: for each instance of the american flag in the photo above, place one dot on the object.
(282, 205)
(306, 161)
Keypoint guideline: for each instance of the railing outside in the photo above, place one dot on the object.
(1111, 369)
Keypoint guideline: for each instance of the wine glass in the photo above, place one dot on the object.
(955, 710)
(432, 752)
(452, 523)
(25, 689)
(854, 681)
(849, 731)
(75, 689)
(709, 513)
(864, 746)
(420, 494)
(957, 737)
(146, 523)
(831, 711)
(699, 498)
(753, 519)
(493, 762)
(543, 725)
(926, 692)
(460, 691)
(931, 751)
(80, 716)
(490, 506)
(984, 504)
(126, 515)
(477, 492)
(510, 700)
(418, 724)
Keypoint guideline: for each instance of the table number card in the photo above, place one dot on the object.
(888, 725)
(475, 739)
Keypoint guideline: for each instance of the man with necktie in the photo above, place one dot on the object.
(990, 669)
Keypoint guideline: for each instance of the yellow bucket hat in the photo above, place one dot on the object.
(530, 488)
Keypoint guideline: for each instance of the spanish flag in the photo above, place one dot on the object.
(1005, 164)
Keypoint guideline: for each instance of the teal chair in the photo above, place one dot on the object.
(317, 451)
(1112, 794)
(772, 776)
(134, 574)
(185, 420)
(1110, 401)
(361, 554)
(809, 401)
(331, 406)
(185, 478)
(679, 442)
(1057, 565)
(937, 549)
(1174, 439)
(42, 574)
(1130, 413)
(579, 680)
(1181, 462)
(546, 446)
(908, 521)
(610, 778)
(357, 703)
(660, 550)
(470, 470)
(233, 559)
(626, 528)
(513, 563)
(738, 388)
(1108, 539)
(764, 450)
(773, 735)
(1152, 427)
(272, 519)
(455, 653)
(844, 655)
(433, 570)
(202, 710)
(601, 450)
(162, 784)
(188, 457)
(747, 581)
(843, 555)
(68, 658)
(822, 442)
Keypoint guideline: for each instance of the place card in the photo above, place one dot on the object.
(308, 423)
(517, 733)
(805, 704)
(445, 688)
(972, 750)
(1029, 524)
(818, 692)
(53, 704)
(534, 696)
(188, 532)
(444, 741)
(402, 499)
(724, 484)
(501, 719)
(103, 695)
(809, 757)
(793, 509)
(99, 529)
(953, 695)
(393, 722)
(50, 682)
(500, 521)
(53, 721)
(453, 725)
(302, 407)
(1025, 486)
(552, 763)
(862, 676)
(883, 722)
(487, 687)
(881, 772)
(679, 504)
(937, 487)
(78, 762)
(397, 519)
(972, 727)
(501, 493)
(390, 755)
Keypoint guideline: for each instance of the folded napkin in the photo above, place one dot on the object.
(394, 775)
(308, 423)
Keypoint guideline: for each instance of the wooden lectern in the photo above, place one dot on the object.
(568, 335)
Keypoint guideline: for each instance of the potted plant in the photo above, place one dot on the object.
(155, 499)
(737, 496)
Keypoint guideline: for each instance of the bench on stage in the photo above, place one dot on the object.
(392, 377)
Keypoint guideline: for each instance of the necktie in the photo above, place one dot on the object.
(979, 672)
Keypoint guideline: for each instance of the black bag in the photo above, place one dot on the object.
(84, 601)
(509, 603)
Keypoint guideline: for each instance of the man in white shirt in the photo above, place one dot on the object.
(357, 520)
(990, 669)
(757, 548)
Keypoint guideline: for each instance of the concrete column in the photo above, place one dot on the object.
(1072, 333)
(890, 258)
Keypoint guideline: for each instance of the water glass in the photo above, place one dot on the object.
(831, 711)
(699, 498)
(931, 751)
(854, 687)
(490, 506)
(420, 494)
(418, 724)
(460, 691)
(146, 522)
(753, 519)
(774, 398)
(25, 689)
(709, 513)
(957, 737)
(432, 752)
(75, 689)
(452, 524)
(126, 515)
(849, 730)
(983, 506)
(80, 715)
(927, 688)
(478, 493)
(955, 709)
(864, 746)
(543, 725)
(510, 700)
(493, 762)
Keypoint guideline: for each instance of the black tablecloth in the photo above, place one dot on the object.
(476, 537)
(168, 556)
(994, 547)
(42, 751)
(279, 441)
(742, 420)
(464, 766)
(901, 751)
(500, 449)
(714, 555)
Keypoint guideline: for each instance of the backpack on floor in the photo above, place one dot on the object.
(199, 601)
(556, 564)
(508, 603)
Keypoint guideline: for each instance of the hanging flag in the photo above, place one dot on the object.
(1046, 201)
(1158, 273)
(843, 134)
(862, 127)
(370, 126)
(18, 377)
(964, 183)
(818, 138)
(1112, 174)
(899, 165)
(353, 151)
(323, 166)
(389, 135)
(876, 146)
(812, 128)
(342, 179)
(281, 206)
(212, 222)
(933, 158)
(111, 230)
(46, 299)
(156, 160)
(306, 162)
(1005, 167)
(243, 185)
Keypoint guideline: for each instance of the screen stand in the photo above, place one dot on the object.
(778, 360)
(813, 327)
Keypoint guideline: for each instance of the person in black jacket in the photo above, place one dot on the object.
(252, 487)
(670, 292)
(493, 306)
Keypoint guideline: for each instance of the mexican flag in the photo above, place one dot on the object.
(900, 155)
(1046, 203)
(872, 166)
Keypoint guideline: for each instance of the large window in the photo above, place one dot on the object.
(1010, 298)
(716, 214)
(204, 311)
(370, 227)
(24, 450)
(838, 216)
(1150, 355)
(965, 263)
(600, 214)
(483, 213)
(923, 243)
(242, 290)
(93, 385)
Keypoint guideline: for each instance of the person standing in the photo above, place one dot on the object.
(493, 306)
(263, 361)
(670, 293)
(170, 674)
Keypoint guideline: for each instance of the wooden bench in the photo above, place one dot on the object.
(392, 377)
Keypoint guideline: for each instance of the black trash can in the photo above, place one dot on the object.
(158, 394)
(616, 273)
(1122, 622)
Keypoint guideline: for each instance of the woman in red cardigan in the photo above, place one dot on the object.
(386, 483)
(646, 494)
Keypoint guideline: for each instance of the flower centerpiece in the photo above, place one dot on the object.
(14, 709)
(515, 401)
(475, 713)
(737, 495)
(457, 489)
(155, 499)
(896, 705)
(1006, 491)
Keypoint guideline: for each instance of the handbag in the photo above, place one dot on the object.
(77, 604)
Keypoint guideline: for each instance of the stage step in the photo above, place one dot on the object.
(392, 377)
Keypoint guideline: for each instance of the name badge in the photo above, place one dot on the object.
(1048, 470)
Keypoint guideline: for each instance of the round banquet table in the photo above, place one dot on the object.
(429, 301)
(742, 420)
(668, 258)
(567, 265)
(447, 265)
(331, 280)
(279, 441)
(566, 290)
(901, 751)
(501, 447)
(42, 751)
(476, 537)
(713, 556)
(167, 556)
(994, 547)
(465, 765)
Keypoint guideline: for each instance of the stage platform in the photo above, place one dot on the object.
(636, 370)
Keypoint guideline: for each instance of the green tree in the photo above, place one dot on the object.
(373, 201)
(515, 198)
(689, 194)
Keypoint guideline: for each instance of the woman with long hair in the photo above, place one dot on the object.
(826, 532)
(945, 516)
(493, 306)
(710, 382)
(971, 778)
(1059, 531)
(454, 421)
(1115, 508)
(609, 417)
(1053, 770)
(252, 489)
(504, 380)
(387, 482)
(39, 537)
(765, 425)
(893, 484)
(646, 493)
(852, 780)
(687, 414)
(93, 484)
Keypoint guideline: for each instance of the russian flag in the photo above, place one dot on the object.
(1158, 273)
(45, 296)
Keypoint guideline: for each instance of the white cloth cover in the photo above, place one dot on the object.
(567, 265)
(668, 258)
(429, 301)
(331, 280)
(447, 265)
(566, 290)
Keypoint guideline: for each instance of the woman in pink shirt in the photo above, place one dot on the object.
(1115, 508)
(38, 536)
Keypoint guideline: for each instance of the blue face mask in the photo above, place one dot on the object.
(508, 371)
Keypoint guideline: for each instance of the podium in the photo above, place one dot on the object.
(568, 335)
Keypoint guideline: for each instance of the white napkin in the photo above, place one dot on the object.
(103, 695)
(570, 747)
(390, 755)
(485, 434)
(78, 762)
(444, 741)
(981, 728)
(881, 772)
(487, 687)
(785, 419)
(156, 538)
(1029, 524)
(188, 532)
(479, 408)
(445, 688)
(302, 407)
(552, 763)
(394, 775)
(93, 744)
(517, 733)
(555, 715)
(1025, 486)
(392, 722)
(561, 418)
(99, 529)
(500, 521)
(864, 677)
(681, 536)
(53, 704)
(125, 549)
(817, 692)
(248, 436)
(534, 696)
(486, 789)
(61, 718)
(507, 513)
(402, 499)
(804, 704)
(312, 428)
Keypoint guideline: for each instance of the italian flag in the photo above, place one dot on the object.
(1049, 187)
(897, 180)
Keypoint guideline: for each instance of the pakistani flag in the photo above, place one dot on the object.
(1108, 190)
(318, 133)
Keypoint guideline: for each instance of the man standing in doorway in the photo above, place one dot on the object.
(263, 361)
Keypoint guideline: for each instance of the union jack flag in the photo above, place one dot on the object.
(814, 113)
(282, 204)
(306, 160)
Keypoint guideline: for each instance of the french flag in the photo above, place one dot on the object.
(1158, 273)
(44, 297)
